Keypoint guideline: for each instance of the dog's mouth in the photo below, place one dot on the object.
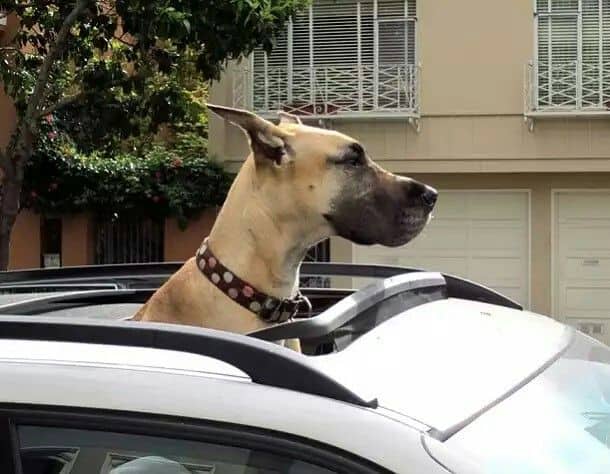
(411, 223)
(400, 230)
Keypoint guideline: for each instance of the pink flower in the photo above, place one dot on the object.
(49, 119)
(52, 135)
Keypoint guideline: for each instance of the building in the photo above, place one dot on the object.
(504, 106)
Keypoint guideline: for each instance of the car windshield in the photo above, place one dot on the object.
(558, 423)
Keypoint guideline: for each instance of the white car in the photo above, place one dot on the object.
(413, 374)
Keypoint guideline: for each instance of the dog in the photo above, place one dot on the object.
(299, 185)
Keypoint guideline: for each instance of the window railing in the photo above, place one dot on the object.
(567, 88)
(330, 91)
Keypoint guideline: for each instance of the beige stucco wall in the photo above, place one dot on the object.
(472, 144)
(473, 55)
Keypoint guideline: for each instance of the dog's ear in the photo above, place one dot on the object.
(267, 141)
(285, 117)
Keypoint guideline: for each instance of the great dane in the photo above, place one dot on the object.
(298, 186)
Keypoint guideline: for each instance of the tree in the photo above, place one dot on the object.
(129, 156)
(89, 55)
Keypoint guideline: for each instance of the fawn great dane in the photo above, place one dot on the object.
(298, 186)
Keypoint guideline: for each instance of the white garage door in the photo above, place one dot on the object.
(582, 261)
(480, 235)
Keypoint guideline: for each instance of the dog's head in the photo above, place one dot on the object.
(309, 173)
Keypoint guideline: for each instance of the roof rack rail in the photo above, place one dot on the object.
(131, 275)
(457, 287)
(85, 272)
(49, 287)
(46, 302)
(265, 363)
(147, 273)
(415, 288)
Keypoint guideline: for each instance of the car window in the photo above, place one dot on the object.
(558, 423)
(50, 450)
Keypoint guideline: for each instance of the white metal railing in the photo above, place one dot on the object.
(570, 87)
(330, 91)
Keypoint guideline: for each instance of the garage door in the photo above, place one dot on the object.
(480, 235)
(582, 261)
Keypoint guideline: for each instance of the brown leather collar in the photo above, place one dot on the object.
(269, 308)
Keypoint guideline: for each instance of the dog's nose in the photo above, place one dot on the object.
(429, 197)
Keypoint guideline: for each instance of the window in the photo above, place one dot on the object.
(45, 440)
(50, 242)
(128, 240)
(49, 450)
(573, 54)
(341, 56)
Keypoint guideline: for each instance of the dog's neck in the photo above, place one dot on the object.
(257, 246)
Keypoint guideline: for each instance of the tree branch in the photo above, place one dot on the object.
(121, 40)
(45, 70)
(26, 129)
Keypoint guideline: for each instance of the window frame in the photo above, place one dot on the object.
(579, 80)
(205, 431)
(409, 20)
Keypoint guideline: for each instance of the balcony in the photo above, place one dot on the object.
(331, 92)
(567, 89)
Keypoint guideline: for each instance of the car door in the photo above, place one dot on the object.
(43, 440)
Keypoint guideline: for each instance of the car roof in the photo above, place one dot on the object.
(188, 397)
(439, 364)
(444, 362)
(433, 349)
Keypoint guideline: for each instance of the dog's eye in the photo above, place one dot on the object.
(354, 161)
(354, 156)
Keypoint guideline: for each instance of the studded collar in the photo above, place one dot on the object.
(269, 308)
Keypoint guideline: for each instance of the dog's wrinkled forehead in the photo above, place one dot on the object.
(313, 142)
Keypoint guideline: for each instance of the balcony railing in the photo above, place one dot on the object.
(390, 90)
(567, 89)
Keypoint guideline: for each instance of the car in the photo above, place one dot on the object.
(416, 372)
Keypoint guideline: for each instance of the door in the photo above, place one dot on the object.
(581, 257)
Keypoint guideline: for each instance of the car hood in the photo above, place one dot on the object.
(444, 362)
